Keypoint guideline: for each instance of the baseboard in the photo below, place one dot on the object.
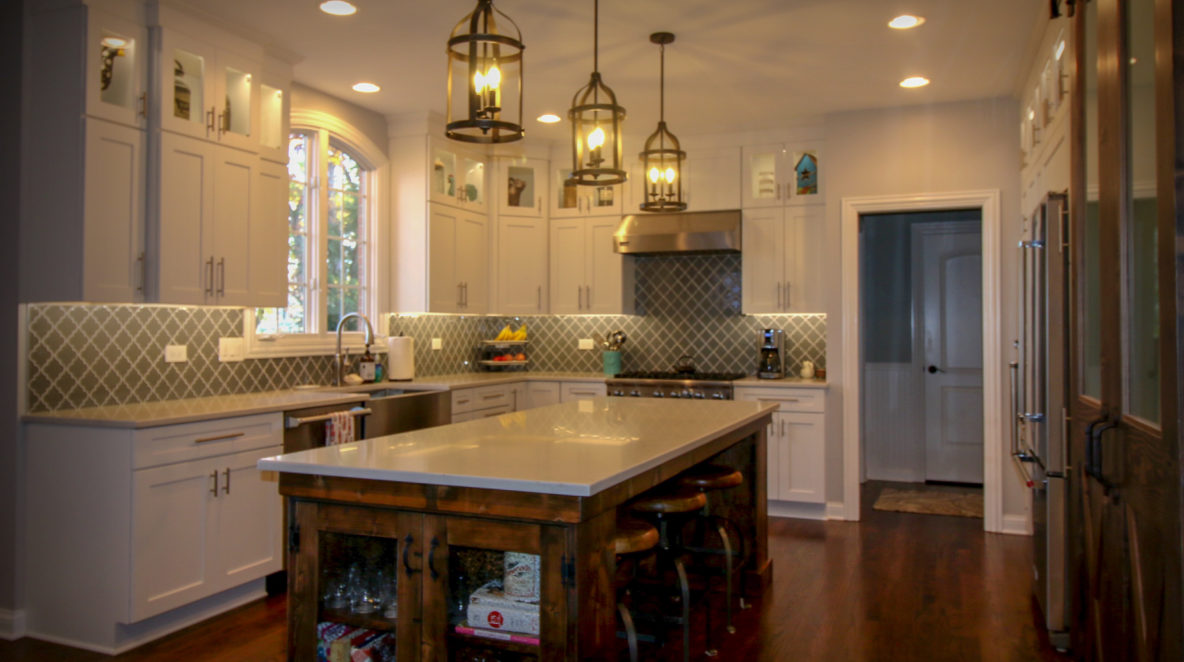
(837, 510)
(12, 624)
(797, 510)
(1016, 525)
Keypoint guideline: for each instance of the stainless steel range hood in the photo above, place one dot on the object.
(686, 232)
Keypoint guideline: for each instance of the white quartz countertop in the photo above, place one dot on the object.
(575, 448)
(170, 412)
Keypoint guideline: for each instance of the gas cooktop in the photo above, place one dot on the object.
(696, 376)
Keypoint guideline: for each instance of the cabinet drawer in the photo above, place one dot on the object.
(581, 391)
(787, 399)
(190, 441)
(474, 399)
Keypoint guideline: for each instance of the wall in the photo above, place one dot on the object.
(372, 124)
(970, 145)
(10, 483)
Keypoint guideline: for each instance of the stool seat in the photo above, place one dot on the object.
(633, 536)
(670, 503)
(711, 477)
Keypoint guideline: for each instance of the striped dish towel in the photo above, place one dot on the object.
(339, 429)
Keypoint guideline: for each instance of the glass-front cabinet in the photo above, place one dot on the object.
(521, 186)
(568, 199)
(781, 174)
(390, 585)
(456, 177)
(116, 57)
(207, 92)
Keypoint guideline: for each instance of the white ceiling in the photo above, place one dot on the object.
(736, 65)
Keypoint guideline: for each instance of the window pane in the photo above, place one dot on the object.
(349, 301)
(333, 272)
(349, 215)
(349, 262)
(297, 252)
(335, 204)
(266, 321)
(297, 206)
(298, 157)
(292, 320)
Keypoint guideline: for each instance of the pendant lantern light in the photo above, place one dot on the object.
(596, 125)
(488, 105)
(662, 158)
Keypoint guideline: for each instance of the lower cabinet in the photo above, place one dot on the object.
(398, 584)
(482, 402)
(796, 442)
(581, 391)
(541, 394)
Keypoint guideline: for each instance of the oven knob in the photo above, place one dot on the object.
(686, 394)
(717, 396)
(699, 395)
(618, 392)
(658, 394)
(635, 393)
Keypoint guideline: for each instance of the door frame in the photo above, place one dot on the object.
(987, 201)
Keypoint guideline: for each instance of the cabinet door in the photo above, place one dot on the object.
(236, 98)
(565, 196)
(604, 268)
(542, 394)
(456, 178)
(248, 532)
(472, 261)
(567, 266)
(116, 78)
(113, 238)
(763, 183)
(274, 110)
(187, 99)
(183, 210)
(802, 457)
(712, 179)
(521, 187)
(268, 259)
(762, 287)
(569, 391)
(234, 177)
(804, 244)
(444, 288)
(773, 462)
(172, 528)
(521, 265)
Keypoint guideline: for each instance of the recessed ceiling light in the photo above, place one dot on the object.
(906, 21)
(368, 88)
(338, 8)
(114, 42)
(549, 118)
(914, 81)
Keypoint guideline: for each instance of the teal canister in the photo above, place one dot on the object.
(612, 362)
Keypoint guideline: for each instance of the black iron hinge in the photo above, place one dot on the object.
(567, 571)
(293, 536)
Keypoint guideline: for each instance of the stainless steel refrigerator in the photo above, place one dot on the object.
(1039, 384)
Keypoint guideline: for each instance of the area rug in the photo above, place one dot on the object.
(960, 502)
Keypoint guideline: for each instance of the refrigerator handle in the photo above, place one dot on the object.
(1093, 450)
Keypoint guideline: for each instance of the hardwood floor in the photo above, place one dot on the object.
(895, 586)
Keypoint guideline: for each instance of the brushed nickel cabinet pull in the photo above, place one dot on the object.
(226, 487)
(222, 277)
(214, 489)
(232, 435)
(142, 110)
(210, 282)
(210, 121)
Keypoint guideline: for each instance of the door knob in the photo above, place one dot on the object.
(934, 369)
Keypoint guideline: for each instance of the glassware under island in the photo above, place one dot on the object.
(390, 538)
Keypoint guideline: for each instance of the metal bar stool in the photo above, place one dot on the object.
(667, 510)
(632, 537)
(707, 478)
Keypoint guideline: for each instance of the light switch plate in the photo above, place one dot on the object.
(437, 343)
(586, 343)
(176, 353)
(230, 349)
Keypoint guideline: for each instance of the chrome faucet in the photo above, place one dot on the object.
(340, 360)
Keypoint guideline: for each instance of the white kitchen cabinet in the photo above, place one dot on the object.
(116, 67)
(142, 531)
(587, 276)
(781, 270)
(569, 391)
(521, 265)
(207, 211)
(796, 442)
(456, 177)
(541, 394)
(274, 111)
(770, 178)
(458, 244)
(481, 402)
(520, 186)
(569, 200)
(268, 237)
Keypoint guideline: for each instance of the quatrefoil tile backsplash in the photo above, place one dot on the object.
(84, 355)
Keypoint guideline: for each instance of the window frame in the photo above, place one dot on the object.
(330, 130)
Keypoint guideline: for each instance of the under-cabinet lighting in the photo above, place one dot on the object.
(914, 81)
(366, 88)
(549, 118)
(338, 8)
(906, 21)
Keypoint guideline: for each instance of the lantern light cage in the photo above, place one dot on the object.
(490, 64)
(662, 158)
(596, 119)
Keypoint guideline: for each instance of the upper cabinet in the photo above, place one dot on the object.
(457, 177)
(781, 270)
(520, 186)
(781, 174)
(458, 257)
(116, 66)
(568, 199)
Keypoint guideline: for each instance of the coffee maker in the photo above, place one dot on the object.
(772, 363)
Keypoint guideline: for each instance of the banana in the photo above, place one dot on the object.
(506, 333)
(520, 334)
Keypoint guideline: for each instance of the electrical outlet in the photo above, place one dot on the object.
(176, 353)
(230, 349)
(586, 343)
(437, 343)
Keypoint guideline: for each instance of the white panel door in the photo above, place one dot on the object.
(113, 255)
(801, 289)
(567, 266)
(247, 542)
(802, 456)
(234, 177)
(762, 179)
(123, 99)
(520, 187)
(951, 310)
(236, 97)
(603, 267)
(268, 259)
(185, 208)
(172, 526)
(762, 266)
(187, 98)
(472, 261)
(522, 265)
(773, 461)
(711, 179)
(444, 292)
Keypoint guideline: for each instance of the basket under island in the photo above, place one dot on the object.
(408, 525)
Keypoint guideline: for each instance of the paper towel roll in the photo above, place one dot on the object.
(400, 357)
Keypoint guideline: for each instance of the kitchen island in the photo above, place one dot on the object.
(416, 519)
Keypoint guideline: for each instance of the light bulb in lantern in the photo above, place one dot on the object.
(596, 138)
(655, 175)
(670, 174)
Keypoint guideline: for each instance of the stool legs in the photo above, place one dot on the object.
(630, 630)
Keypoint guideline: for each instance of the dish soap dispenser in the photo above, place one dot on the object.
(366, 365)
